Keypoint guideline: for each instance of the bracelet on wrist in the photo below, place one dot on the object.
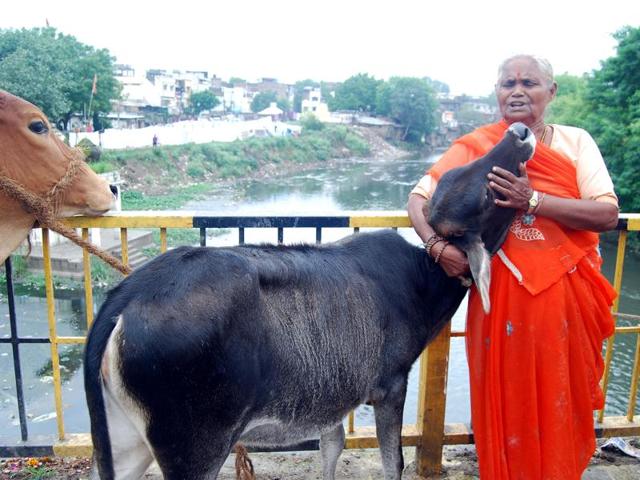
(431, 241)
(437, 259)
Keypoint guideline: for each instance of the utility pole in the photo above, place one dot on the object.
(93, 91)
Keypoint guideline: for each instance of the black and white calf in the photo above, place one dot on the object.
(265, 345)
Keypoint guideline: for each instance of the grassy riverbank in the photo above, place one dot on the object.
(166, 177)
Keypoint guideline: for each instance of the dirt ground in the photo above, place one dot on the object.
(353, 464)
(459, 463)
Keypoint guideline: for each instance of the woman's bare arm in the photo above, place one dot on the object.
(579, 214)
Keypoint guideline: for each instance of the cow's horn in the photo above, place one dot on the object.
(480, 266)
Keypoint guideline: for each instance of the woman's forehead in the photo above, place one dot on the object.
(521, 67)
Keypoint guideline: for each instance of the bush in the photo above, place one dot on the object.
(103, 274)
(357, 145)
(310, 122)
(102, 167)
(91, 151)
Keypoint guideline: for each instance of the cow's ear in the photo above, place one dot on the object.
(480, 266)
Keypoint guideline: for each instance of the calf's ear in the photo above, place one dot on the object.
(480, 266)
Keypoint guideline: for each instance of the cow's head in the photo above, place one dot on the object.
(32, 156)
(463, 210)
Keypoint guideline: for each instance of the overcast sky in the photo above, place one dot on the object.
(458, 42)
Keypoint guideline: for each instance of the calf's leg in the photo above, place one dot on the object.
(193, 448)
(388, 413)
(331, 446)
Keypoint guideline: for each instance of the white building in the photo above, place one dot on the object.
(137, 93)
(165, 83)
(236, 99)
(312, 103)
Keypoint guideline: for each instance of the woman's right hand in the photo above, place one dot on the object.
(452, 260)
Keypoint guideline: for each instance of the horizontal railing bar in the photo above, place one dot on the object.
(70, 340)
(629, 222)
(270, 222)
(628, 329)
(618, 427)
(26, 451)
(628, 316)
(379, 221)
(25, 340)
(133, 220)
(365, 437)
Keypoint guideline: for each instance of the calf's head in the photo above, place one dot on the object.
(33, 157)
(463, 210)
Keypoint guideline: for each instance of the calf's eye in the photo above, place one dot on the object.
(38, 127)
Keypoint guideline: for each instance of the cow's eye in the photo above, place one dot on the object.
(38, 127)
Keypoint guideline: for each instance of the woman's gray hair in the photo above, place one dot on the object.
(543, 64)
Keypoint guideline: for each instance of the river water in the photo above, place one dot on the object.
(337, 188)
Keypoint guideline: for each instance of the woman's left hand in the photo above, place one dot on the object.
(516, 190)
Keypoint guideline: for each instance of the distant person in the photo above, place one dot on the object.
(155, 140)
(535, 360)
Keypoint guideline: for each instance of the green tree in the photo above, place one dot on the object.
(263, 99)
(411, 102)
(612, 98)
(56, 72)
(356, 93)
(569, 108)
(437, 86)
(200, 101)
(284, 104)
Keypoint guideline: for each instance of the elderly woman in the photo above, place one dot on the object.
(535, 360)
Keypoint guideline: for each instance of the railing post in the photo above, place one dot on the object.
(53, 336)
(433, 399)
(88, 288)
(15, 345)
(617, 285)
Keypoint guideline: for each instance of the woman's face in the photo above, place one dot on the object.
(523, 92)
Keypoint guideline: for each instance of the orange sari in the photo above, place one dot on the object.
(535, 360)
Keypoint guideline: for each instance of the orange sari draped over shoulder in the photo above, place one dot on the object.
(535, 360)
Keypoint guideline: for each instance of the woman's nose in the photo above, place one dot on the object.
(517, 89)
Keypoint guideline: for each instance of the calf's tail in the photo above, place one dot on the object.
(244, 467)
(97, 340)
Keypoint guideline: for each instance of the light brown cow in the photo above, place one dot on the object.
(33, 158)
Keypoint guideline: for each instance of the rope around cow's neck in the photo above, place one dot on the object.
(40, 208)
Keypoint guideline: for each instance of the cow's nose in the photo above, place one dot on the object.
(521, 130)
(114, 190)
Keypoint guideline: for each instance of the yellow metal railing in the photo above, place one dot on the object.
(430, 433)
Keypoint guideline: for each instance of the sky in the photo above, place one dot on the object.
(460, 43)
